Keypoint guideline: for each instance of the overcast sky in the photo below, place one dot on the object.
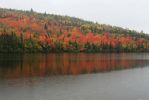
(132, 14)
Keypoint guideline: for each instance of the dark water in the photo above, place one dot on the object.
(81, 76)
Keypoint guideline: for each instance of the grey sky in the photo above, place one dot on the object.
(131, 14)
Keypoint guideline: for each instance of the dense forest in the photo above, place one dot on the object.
(29, 31)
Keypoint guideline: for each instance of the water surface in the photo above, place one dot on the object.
(81, 76)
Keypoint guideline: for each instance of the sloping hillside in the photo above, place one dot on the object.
(29, 31)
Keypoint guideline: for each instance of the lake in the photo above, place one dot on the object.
(71, 76)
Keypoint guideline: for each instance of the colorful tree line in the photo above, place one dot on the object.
(71, 42)
(22, 31)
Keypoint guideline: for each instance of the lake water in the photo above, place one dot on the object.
(123, 76)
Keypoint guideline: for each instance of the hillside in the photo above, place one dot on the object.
(29, 31)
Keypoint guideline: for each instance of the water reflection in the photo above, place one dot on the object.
(35, 65)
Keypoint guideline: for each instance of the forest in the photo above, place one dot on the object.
(30, 32)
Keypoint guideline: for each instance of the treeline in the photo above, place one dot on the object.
(71, 42)
(29, 31)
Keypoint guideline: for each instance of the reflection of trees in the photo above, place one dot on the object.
(7, 60)
(32, 65)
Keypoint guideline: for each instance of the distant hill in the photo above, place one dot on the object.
(57, 24)
(33, 24)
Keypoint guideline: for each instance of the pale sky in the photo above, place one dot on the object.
(132, 14)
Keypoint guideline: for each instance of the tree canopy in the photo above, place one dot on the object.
(29, 31)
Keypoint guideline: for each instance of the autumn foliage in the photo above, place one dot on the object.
(21, 32)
